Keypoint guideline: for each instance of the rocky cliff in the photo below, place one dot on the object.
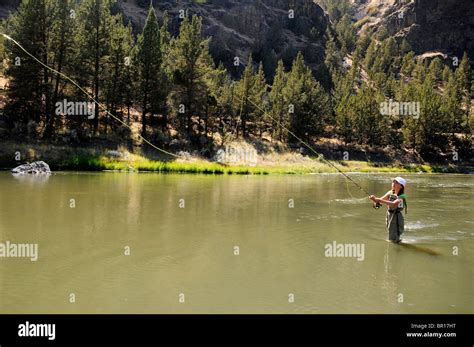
(270, 29)
(446, 26)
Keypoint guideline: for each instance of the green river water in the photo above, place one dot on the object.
(153, 243)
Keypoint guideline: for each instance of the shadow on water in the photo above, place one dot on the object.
(406, 245)
(416, 248)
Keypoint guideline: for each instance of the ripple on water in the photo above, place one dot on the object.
(345, 215)
(351, 200)
(417, 225)
(416, 239)
(452, 185)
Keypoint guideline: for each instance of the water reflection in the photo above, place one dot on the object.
(31, 179)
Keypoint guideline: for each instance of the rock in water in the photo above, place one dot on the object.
(35, 168)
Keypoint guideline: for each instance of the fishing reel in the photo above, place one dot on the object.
(377, 205)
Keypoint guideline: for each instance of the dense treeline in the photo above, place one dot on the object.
(172, 91)
(377, 72)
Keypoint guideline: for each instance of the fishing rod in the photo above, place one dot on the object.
(312, 149)
(102, 107)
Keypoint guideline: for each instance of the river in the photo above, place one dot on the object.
(154, 243)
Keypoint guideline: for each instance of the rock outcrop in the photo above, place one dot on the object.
(445, 26)
(35, 168)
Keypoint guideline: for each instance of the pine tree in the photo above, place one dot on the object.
(389, 53)
(270, 62)
(431, 120)
(307, 99)
(452, 107)
(346, 34)
(257, 96)
(344, 98)
(405, 47)
(370, 124)
(128, 77)
(149, 62)
(223, 91)
(244, 91)
(370, 55)
(344, 119)
(192, 62)
(464, 77)
(363, 43)
(333, 59)
(29, 91)
(167, 68)
(279, 107)
(420, 71)
(446, 75)
(165, 36)
(61, 50)
(408, 65)
(117, 86)
(435, 69)
(408, 90)
(93, 42)
(219, 100)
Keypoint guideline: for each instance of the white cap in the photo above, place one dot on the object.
(400, 180)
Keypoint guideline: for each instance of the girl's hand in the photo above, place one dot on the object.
(373, 198)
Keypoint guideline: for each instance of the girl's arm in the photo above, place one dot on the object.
(375, 199)
(389, 203)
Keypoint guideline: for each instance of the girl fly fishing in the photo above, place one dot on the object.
(395, 199)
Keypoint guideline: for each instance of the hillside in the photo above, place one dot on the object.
(444, 26)
(240, 27)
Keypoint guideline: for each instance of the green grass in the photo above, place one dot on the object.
(196, 168)
(145, 165)
(140, 164)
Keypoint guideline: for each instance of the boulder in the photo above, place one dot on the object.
(35, 168)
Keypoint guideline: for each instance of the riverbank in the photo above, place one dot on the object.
(64, 158)
(141, 164)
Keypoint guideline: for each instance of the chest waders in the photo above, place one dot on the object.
(395, 220)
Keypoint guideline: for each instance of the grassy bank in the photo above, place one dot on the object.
(141, 164)
(61, 158)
